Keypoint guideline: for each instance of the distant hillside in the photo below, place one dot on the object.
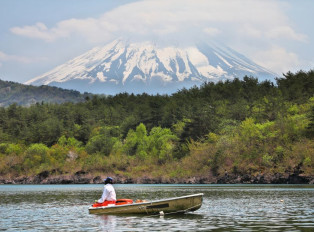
(12, 92)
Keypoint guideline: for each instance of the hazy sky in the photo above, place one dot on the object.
(37, 35)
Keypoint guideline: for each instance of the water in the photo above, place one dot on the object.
(225, 208)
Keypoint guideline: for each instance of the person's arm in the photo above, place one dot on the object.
(104, 196)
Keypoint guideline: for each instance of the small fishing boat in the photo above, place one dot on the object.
(166, 206)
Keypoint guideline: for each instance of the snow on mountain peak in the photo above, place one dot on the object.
(143, 67)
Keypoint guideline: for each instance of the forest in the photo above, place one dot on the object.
(231, 128)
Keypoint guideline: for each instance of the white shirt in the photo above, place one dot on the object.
(109, 194)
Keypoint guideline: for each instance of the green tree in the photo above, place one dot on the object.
(310, 127)
(103, 140)
(161, 144)
(36, 155)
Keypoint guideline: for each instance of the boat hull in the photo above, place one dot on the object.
(172, 205)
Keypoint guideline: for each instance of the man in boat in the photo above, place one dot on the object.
(109, 194)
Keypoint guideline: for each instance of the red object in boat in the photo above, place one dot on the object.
(117, 202)
(105, 203)
(124, 201)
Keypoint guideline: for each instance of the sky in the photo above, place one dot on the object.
(38, 35)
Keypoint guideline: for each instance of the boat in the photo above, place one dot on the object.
(176, 205)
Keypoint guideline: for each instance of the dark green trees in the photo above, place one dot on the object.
(232, 125)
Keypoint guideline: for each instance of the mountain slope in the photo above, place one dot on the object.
(11, 92)
(144, 67)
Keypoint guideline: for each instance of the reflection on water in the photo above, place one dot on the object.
(108, 222)
(225, 208)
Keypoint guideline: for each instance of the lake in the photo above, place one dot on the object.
(225, 208)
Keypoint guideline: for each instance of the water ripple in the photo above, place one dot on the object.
(225, 208)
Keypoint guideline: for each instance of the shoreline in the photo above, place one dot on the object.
(86, 178)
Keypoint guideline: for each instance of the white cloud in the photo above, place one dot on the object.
(211, 31)
(251, 31)
(278, 59)
(39, 31)
(153, 18)
(21, 59)
(4, 57)
(286, 32)
(251, 26)
(86, 27)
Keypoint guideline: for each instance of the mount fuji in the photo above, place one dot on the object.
(122, 66)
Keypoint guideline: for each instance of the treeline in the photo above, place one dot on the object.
(26, 95)
(239, 126)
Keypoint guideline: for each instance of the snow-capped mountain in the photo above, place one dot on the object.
(144, 67)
